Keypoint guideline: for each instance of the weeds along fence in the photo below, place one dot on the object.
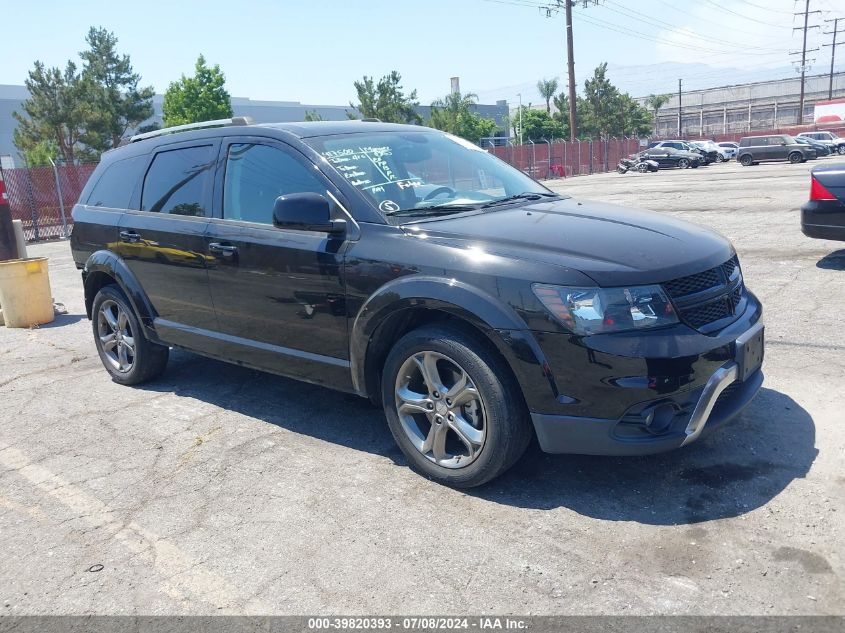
(42, 198)
(546, 159)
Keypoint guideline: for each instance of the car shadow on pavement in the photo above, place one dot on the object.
(832, 261)
(738, 468)
(319, 412)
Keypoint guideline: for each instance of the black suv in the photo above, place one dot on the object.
(413, 268)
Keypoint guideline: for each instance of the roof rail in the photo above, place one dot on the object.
(238, 120)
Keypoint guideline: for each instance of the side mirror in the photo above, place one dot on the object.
(306, 212)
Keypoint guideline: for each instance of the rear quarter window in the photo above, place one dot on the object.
(115, 186)
(179, 181)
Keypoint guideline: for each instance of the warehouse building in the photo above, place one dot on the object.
(763, 105)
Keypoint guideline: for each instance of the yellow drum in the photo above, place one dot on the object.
(25, 296)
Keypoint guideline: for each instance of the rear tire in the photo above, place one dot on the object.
(683, 163)
(471, 433)
(746, 160)
(796, 157)
(126, 353)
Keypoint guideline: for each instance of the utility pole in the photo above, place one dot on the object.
(832, 45)
(570, 62)
(806, 12)
(551, 10)
(680, 110)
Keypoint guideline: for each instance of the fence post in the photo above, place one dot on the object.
(61, 198)
(30, 194)
(590, 146)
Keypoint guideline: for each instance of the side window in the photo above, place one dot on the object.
(761, 141)
(178, 181)
(258, 174)
(114, 188)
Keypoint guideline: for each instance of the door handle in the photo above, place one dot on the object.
(130, 237)
(226, 250)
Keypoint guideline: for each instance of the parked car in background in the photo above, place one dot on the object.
(837, 143)
(412, 268)
(757, 149)
(667, 157)
(728, 150)
(705, 157)
(709, 150)
(823, 215)
(820, 148)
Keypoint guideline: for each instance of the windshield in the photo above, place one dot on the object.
(424, 173)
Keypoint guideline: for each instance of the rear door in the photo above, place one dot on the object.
(163, 242)
(760, 148)
(778, 149)
(278, 293)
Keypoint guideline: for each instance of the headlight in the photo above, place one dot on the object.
(601, 310)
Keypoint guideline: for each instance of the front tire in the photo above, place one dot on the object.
(126, 353)
(840, 150)
(746, 160)
(453, 407)
(683, 163)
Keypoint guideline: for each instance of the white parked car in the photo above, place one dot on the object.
(836, 143)
(728, 150)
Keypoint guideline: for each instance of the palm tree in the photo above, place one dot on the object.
(655, 102)
(547, 89)
(446, 112)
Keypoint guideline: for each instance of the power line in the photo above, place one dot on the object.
(648, 38)
(636, 15)
(759, 6)
(703, 19)
(724, 8)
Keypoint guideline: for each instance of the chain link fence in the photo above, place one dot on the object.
(42, 198)
(544, 160)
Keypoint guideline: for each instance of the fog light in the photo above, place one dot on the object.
(658, 419)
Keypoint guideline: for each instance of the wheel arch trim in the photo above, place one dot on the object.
(107, 262)
(494, 319)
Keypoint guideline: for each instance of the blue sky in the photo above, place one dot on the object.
(312, 50)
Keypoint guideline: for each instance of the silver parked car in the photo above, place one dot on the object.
(728, 150)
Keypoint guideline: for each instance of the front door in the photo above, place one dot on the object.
(278, 294)
(163, 243)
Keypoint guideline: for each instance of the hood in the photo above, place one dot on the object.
(611, 244)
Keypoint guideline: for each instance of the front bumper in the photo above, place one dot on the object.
(612, 408)
(721, 399)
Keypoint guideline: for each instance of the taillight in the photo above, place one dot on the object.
(818, 191)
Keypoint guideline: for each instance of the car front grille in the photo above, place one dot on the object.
(707, 297)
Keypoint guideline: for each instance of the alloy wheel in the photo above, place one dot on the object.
(440, 409)
(115, 336)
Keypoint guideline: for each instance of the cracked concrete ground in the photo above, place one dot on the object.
(218, 489)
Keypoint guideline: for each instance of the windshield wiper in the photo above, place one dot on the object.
(528, 195)
(433, 210)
